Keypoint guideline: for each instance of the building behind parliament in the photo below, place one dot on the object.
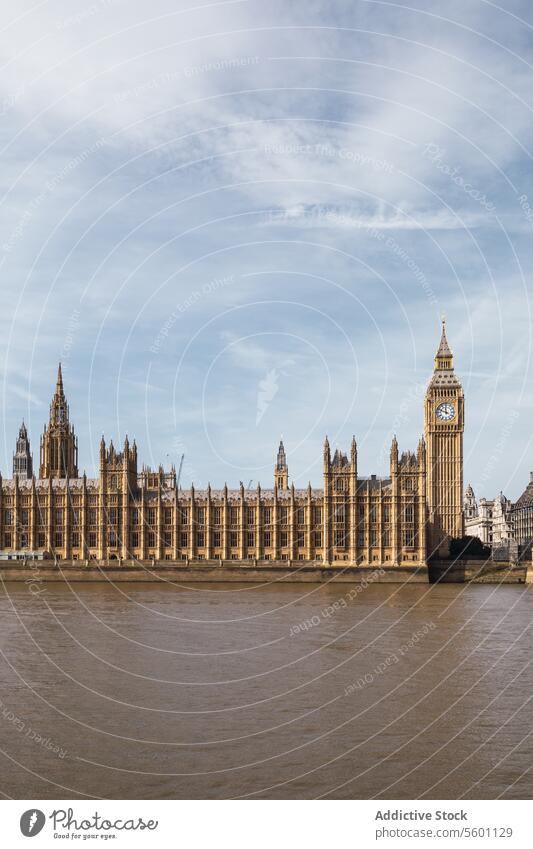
(142, 515)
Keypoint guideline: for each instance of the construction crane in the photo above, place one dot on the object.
(179, 471)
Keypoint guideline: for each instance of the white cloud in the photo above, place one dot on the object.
(147, 150)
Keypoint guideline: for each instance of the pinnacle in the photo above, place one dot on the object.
(282, 458)
(59, 385)
(444, 348)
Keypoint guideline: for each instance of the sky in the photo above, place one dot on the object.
(236, 221)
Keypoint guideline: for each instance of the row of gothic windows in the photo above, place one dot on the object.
(340, 539)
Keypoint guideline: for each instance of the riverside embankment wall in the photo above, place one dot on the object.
(202, 571)
(443, 571)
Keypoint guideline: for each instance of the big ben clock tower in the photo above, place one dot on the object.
(444, 426)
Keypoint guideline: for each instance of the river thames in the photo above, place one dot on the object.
(278, 691)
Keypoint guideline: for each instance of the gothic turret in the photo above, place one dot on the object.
(281, 470)
(394, 455)
(470, 507)
(59, 445)
(118, 469)
(326, 455)
(22, 458)
(421, 453)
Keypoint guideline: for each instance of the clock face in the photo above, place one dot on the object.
(445, 412)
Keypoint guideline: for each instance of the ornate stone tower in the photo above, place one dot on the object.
(118, 470)
(22, 459)
(281, 470)
(59, 445)
(470, 504)
(444, 426)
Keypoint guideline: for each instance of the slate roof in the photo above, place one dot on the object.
(526, 499)
(444, 348)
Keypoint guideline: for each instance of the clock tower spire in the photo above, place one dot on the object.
(444, 427)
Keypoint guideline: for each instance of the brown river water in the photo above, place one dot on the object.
(278, 691)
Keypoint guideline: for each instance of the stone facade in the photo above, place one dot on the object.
(479, 517)
(22, 458)
(489, 521)
(522, 517)
(444, 427)
(130, 514)
(502, 531)
(59, 446)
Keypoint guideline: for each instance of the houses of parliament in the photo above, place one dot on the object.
(126, 514)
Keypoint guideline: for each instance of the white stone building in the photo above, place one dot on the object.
(478, 517)
(489, 521)
(502, 531)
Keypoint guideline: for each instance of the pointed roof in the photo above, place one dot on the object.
(526, 499)
(444, 373)
(282, 458)
(59, 401)
(407, 459)
(59, 383)
(444, 349)
(339, 458)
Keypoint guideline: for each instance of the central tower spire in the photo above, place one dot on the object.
(59, 384)
(59, 406)
(59, 445)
